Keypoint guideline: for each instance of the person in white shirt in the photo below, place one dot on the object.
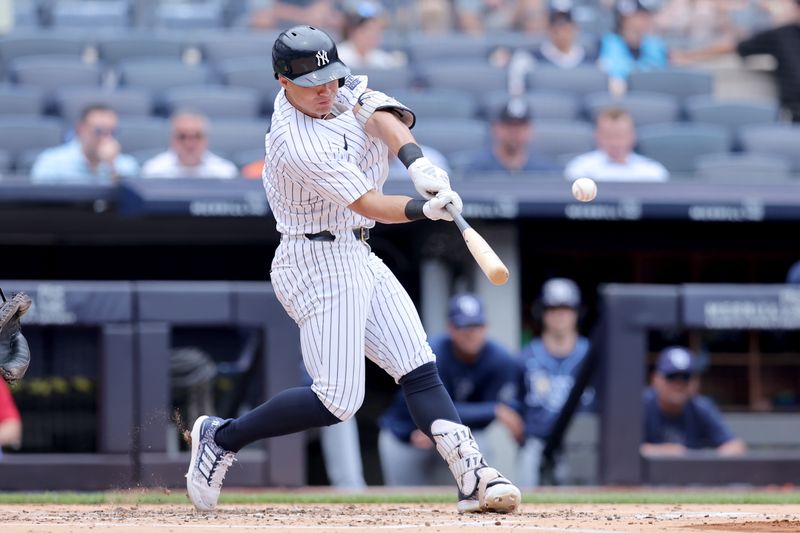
(188, 155)
(614, 159)
(363, 32)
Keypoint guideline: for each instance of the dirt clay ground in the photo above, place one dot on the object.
(403, 518)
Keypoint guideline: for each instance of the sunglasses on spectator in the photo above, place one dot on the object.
(194, 135)
(679, 376)
(104, 132)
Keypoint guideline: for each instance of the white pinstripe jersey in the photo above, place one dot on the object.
(315, 168)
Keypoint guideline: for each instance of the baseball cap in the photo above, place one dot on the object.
(629, 7)
(560, 292)
(560, 12)
(676, 360)
(466, 310)
(515, 110)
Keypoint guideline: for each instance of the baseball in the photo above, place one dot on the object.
(584, 189)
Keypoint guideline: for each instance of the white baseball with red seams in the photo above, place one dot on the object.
(584, 189)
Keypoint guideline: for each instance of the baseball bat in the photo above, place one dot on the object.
(491, 265)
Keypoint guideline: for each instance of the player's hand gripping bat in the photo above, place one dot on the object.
(491, 265)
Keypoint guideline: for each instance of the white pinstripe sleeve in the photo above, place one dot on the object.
(340, 182)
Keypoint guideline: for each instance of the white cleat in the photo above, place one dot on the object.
(208, 465)
(493, 493)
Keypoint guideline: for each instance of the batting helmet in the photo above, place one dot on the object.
(308, 57)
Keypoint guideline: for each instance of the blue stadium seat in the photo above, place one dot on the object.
(21, 101)
(40, 43)
(136, 134)
(559, 138)
(546, 105)
(126, 102)
(677, 146)
(221, 46)
(387, 80)
(159, 75)
(113, 49)
(776, 139)
(54, 72)
(230, 136)
(681, 83)
(245, 157)
(645, 107)
(475, 77)
(431, 49)
(215, 101)
(5, 162)
(442, 103)
(578, 81)
(19, 134)
(26, 14)
(254, 73)
(91, 14)
(730, 114)
(451, 136)
(749, 167)
(208, 14)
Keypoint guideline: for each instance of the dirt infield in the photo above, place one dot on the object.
(429, 518)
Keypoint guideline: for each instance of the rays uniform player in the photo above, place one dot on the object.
(326, 161)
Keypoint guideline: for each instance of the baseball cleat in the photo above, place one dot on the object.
(493, 493)
(208, 465)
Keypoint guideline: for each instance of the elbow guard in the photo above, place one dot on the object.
(372, 101)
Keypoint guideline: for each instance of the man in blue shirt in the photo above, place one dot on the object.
(478, 374)
(93, 157)
(676, 417)
(550, 364)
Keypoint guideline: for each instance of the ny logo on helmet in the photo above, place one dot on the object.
(322, 58)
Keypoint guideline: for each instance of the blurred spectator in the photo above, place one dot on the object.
(676, 417)
(434, 16)
(479, 16)
(561, 49)
(512, 134)
(363, 31)
(92, 157)
(693, 21)
(783, 43)
(550, 364)
(632, 46)
(10, 421)
(614, 159)
(188, 155)
(478, 374)
(265, 14)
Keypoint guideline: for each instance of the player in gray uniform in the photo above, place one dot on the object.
(326, 162)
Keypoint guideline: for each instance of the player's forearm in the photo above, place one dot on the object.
(387, 209)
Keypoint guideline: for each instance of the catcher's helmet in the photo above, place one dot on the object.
(308, 57)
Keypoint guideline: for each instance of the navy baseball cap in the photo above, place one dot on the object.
(676, 360)
(560, 12)
(515, 110)
(466, 310)
(560, 292)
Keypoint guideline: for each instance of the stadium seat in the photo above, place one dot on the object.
(230, 136)
(475, 77)
(677, 146)
(453, 135)
(41, 44)
(190, 15)
(730, 114)
(677, 82)
(433, 103)
(645, 107)
(215, 101)
(776, 139)
(159, 75)
(254, 73)
(245, 157)
(136, 134)
(22, 133)
(126, 102)
(432, 49)
(21, 101)
(54, 72)
(26, 14)
(91, 14)
(142, 156)
(578, 81)
(387, 80)
(546, 105)
(558, 138)
(221, 46)
(113, 49)
(749, 167)
(5, 162)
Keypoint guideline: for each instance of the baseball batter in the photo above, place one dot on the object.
(326, 162)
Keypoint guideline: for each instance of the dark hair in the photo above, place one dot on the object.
(93, 107)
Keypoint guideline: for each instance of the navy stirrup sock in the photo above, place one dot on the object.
(288, 412)
(426, 397)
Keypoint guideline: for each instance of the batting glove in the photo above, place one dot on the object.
(428, 178)
(435, 208)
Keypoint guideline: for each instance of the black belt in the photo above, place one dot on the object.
(361, 234)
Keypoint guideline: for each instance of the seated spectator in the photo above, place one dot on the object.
(550, 365)
(188, 155)
(632, 46)
(478, 374)
(363, 31)
(10, 421)
(676, 417)
(561, 49)
(512, 133)
(266, 14)
(614, 159)
(93, 157)
(782, 42)
(479, 16)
